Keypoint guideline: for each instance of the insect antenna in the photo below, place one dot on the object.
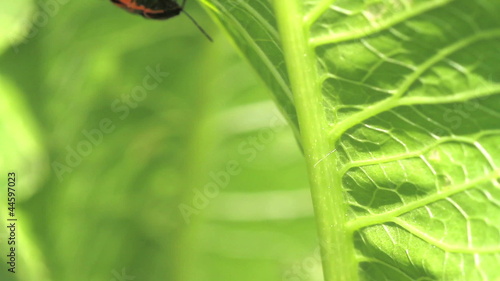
(195, 22)
(199, 27)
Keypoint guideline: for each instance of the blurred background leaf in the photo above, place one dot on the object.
(102, 173)
(15, 21)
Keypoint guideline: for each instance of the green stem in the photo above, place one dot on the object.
(337, 246)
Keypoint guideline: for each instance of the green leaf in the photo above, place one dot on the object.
(398, 111)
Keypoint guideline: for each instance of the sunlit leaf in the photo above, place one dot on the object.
(398, 108)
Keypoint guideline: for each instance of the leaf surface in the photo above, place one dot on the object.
(398, 111)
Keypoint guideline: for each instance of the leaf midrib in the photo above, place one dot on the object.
(337, 247)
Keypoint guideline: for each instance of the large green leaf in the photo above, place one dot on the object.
(398, 111)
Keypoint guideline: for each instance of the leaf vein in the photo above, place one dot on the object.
(372, 29)
(448, 191)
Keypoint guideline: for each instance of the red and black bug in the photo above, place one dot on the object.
(157, 9)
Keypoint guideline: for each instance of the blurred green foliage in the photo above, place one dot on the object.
(99, 200)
